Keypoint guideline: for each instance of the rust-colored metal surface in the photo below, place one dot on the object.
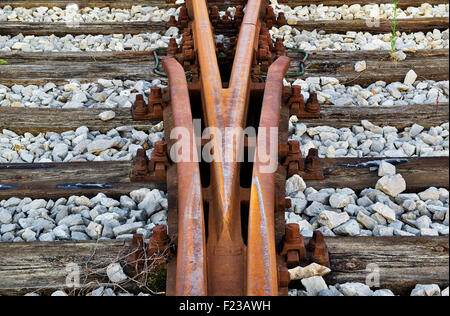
(191, 256)
(151, 110)
(225, 108)
(261, 257)
(226, 232)
(151, 170)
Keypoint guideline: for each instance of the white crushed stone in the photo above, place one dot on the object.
(88, 43)
(118, 144)
(81, 218)
(319, 40)
(331, 93)
(341, 212)
(74, 14)
(122, 94)
(369, 140)
(357, 12)
(360, 289)
(74, 94)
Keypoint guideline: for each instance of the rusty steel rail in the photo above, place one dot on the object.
(191, 268)
(261, 257)
(224, 224)
(226, 252)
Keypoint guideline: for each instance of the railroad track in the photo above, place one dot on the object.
(227, 232)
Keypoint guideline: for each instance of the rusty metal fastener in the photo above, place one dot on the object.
(136, 258)
(159, 160)
(308, 169)
(318, 249)
(140, 164)
(270, 19)
(173, 49)
(294, 159)
(279, 48)
(238, 16)
(153, 170)
(281, 19)
(282, 204)
(294, 247)
(312, 105)
(283, 279)
(153, 110)
(214, 16)
(183, 18)
(158, 246)
(313, 167)
(298, 107)
(172, 21)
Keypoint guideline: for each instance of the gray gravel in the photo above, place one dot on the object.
(383, 211)
(122, 94)
(118, 144)
(330, 92)
(369, 140)
(72, 14)
(81, 218)
(306, 40)
(360, 289)
(89, 43)
(74, 95)
(359, 41)
(357, 12)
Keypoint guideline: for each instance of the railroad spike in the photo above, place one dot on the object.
(270, 18)
(281, 19)
(294, 160)
(284, 279)
(313, 166)
(158, 247)
(151, 111)
(318, 249)
(294, 247)
(312, 105)
(298, 107)
(153, 170)
(136, 258)
(172, 21)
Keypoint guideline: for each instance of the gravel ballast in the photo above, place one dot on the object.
(318, 40)
(330, 92)
(72, 14)
(80, 218)
(122, 94)
(119, 144)
(360, 289)
(75, 95)
(345, 289)
(89, 43)
(386, 210)
(369, 140)
(357, 12)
